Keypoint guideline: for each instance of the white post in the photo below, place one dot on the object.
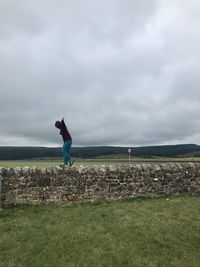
(129, 155)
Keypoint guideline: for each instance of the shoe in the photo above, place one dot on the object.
(71, 162)
(62, 165)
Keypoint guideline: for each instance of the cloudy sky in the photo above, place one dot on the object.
(121, 72)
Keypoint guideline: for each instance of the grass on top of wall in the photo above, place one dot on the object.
(141, 232)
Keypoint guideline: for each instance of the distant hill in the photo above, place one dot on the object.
(17, 153)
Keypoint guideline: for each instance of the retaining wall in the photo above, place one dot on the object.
(56, 185)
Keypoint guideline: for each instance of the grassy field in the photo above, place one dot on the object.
(49, 163)
(135, 233)
(109, 160)
(29, 163)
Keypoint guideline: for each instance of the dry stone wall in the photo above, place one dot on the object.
(56, 185)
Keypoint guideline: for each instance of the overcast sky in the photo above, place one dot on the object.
(121, 72)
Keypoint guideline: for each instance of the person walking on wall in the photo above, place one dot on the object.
(67, 139)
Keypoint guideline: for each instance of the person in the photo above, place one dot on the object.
(67, 139)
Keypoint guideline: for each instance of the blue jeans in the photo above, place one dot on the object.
(65, 150)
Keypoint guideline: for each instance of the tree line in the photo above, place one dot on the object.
(19, 153)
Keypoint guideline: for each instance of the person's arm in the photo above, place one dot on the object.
(63, 123)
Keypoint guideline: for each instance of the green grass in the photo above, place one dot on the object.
(99, 161)
(29, 163)
(142, 232)
(49, 163)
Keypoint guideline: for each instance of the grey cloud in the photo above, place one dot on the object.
(19, 18)
(121, 72)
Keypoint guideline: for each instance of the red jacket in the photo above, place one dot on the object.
(64, 132)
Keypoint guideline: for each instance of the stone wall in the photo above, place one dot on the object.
(55, 185)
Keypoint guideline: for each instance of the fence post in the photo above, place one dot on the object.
(129, 155)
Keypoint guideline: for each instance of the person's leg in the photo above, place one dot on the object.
(66, 149)
(64, 153)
